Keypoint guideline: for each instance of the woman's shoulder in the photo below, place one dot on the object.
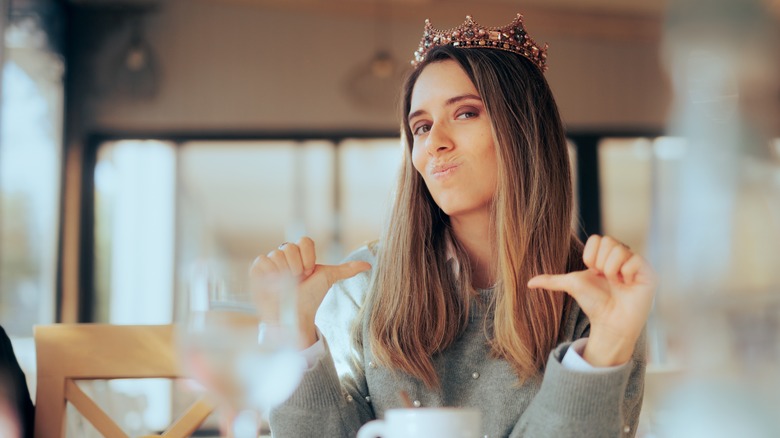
(366, 253)
(342, 304)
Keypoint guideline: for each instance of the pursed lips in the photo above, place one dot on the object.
(444, 169)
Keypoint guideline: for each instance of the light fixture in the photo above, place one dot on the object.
(135, 69)
(374, 83)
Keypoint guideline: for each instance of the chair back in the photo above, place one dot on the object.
(67, 353)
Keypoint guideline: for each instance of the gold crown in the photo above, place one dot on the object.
(512, 38)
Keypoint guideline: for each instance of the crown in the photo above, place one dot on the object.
(512, 38)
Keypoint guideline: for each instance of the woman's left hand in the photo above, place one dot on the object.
(616, 292)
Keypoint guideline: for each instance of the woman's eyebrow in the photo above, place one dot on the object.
(448, 102)
(456, 99)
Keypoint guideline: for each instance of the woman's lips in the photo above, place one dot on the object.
(444, 170)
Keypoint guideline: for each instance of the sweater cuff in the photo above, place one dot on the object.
(320, 386)
(314, 353)
(583, 395)
(573, 360)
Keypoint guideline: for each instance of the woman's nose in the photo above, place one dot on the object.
(439, 139)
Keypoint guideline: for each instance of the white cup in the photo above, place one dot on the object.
(425, 423)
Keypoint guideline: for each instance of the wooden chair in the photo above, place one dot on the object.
(67, 353)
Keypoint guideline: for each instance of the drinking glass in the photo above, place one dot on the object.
(240, 342)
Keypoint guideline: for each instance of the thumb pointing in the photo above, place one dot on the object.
(344, 271)
(550, 282)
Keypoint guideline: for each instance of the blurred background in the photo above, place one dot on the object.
(138, 136)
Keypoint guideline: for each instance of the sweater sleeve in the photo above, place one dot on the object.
(332, 399)
(323, 405)
(581, 404)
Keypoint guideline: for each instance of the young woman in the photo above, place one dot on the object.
(478, 294)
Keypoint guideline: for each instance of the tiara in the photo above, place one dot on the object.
(512, 38)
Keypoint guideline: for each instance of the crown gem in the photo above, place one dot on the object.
(513, 38)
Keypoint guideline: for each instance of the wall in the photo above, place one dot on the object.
(228, 66)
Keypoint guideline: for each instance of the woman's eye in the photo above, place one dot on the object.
(467, 114)
(421, 129)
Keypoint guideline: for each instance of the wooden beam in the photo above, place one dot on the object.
(91, 411)
(71, 233)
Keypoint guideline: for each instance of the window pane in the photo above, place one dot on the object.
(240, 199)
(134, 232)
(369, 170)
(626, 176)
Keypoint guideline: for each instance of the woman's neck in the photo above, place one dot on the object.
(473, 233)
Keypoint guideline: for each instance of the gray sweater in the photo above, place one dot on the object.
(346, 388)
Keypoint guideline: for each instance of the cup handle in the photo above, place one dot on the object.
(372, 429)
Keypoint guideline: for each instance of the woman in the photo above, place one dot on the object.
(478, 294)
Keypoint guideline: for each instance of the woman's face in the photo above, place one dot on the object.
(453, 146)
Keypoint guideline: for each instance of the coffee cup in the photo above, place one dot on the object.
(425, 423)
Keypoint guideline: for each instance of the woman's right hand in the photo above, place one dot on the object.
(314, 280)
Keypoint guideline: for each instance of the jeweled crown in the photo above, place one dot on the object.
(512, 38)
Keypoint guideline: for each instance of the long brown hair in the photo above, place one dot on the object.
(417, 307)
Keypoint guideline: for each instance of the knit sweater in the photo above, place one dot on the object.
(346, 388)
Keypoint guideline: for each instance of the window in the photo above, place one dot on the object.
(161, 205)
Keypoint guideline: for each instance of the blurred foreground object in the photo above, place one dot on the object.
(716, 234)
(240, 341)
